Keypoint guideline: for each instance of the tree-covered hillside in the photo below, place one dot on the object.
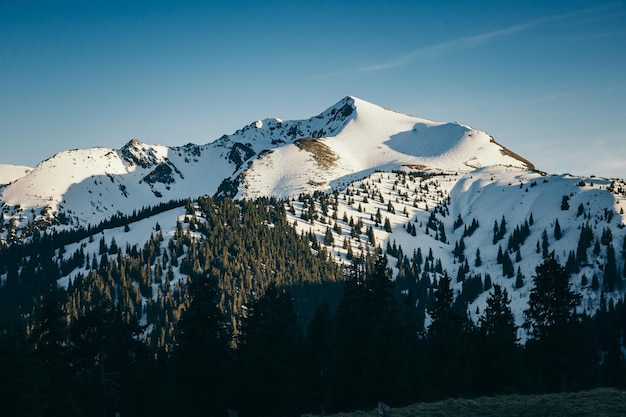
(233, 308)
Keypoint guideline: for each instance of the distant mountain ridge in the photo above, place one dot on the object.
(347, 141)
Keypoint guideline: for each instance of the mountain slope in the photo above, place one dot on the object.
(347, 141)
(9, 173)
(373, 138)
(398, 182)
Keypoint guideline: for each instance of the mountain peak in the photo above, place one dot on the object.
(269, 157)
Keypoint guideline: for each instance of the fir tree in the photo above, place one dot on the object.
(268, 353)
(544, 244)
(552, 321)
(328, 237)
(612, 280)
(387, 226)
(202, 355)
(478, 262)
(557, 230)
(499, 340)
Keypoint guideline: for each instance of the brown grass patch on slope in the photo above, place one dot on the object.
(601, 402)
(322, 154)
(508, 152)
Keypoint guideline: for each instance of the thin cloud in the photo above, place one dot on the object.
(447, 47)
(483, 38)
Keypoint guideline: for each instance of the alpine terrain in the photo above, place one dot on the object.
(248, 266)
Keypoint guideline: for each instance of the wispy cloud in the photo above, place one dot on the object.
(446, 47)
(469, 42)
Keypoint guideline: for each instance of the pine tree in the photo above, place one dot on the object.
(202, 356)
(269, 348)
(328, 237)
(21, 378)
(478, 262)
(442, 233)
(448, 373)
(370, 235)
(487, 283)
(499, 343)
(552, 322)
(612, 280)
(519, 281)
(387, 226)
(565, 203)
(319, 351)
(441, 309)
(544, 244)
(50, 338)
(508, 270)
(557, 230)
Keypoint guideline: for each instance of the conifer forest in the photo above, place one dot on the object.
(239, 311)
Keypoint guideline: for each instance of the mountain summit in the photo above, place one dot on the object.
(354, 138)
(270, 157)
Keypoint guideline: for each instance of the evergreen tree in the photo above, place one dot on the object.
(22, 381)
(544, 244)
(201, 357)
(557, 230)
(478, 262)
(270, 346)
(319, 353)
(50, 338)
(500, 359)
(612, 280)
(387, 226)
(442, 233)
(105, 348)
(552, 322)
(449, 371)
(487, 283)
(519, 281)
(508, 270)
(328, 237)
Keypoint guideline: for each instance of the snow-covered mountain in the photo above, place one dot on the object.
(344, 143)
(425, 179)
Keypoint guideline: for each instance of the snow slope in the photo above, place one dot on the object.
(347, 141)
(9, 173)
(374, 138)
(485, 195)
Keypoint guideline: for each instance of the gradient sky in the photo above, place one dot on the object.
(546, 78)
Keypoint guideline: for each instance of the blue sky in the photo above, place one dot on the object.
(546, 79)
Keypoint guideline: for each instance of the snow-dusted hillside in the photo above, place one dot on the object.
(486, 196)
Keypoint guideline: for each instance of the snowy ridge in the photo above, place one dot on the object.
(347, 141)
(373, 138)
(9, 173)
(88, 186)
